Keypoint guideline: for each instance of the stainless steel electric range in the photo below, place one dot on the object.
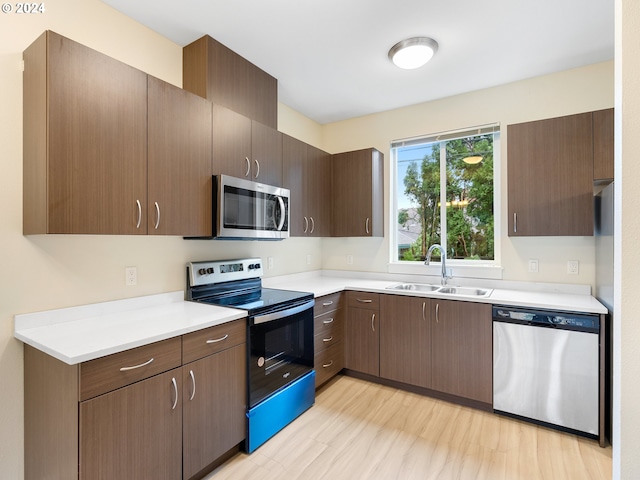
(280, 375)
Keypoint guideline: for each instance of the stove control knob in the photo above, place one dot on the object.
(209, 270)
(202, 271)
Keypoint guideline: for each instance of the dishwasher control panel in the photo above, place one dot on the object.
(548, 318)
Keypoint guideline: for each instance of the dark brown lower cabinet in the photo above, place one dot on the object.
(405, 341)
(461, 349)
(133, 432)
(214, 402)
(362, 336)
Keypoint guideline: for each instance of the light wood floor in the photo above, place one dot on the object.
(360, 430)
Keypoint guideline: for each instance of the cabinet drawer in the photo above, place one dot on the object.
(329, 325)
(328, 303)
(322, 341)
(363, 300)
(114, 371)
(213, 339)
(329, 362)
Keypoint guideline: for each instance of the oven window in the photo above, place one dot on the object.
(280, 352)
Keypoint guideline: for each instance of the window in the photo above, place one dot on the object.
(445, 194)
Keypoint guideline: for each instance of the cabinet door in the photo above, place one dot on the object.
(134, 432)
(362, 340)
(179, 161)
(405, 342)
(461, 349)
(97, 142)
(214, 397)
(358, 193)
(266, 149)
(294, 177)
(603, 144)
(231, 143)
(550, 170)
(319, 191)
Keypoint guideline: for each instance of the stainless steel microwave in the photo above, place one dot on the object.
(249, 210)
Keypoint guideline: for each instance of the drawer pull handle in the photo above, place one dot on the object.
(326, 304)
(193, 383)
(366, 300)
(327, 322)
(216, 340)
(327, 365)
(125, 369)
(327, 339)
(175, 391)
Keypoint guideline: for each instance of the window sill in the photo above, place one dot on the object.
(460, 270)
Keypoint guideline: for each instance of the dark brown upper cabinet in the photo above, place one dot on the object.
(603, 145)
(358, 193)
(216, 73)
(550, 177)
(85, 141)
(306, 172)
(179, 162)
(245, 148)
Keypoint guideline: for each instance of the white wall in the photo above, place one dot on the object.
(626, 361)
(573, 91)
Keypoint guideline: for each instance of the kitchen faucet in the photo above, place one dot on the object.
(446, 273)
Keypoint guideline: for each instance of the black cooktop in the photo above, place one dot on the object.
(260, 301)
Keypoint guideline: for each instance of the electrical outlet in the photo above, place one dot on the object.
(131, 275)
(308, 259)
(573, 267)
(269, 263)
(349, 259)
(533, 265)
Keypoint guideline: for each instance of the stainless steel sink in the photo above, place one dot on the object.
(466, 291)
(447, 290)
(416, 287)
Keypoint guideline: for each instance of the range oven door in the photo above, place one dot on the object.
(280, 349)
(246, 209)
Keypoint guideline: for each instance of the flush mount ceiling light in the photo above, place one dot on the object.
(413, 52)
(472, 160)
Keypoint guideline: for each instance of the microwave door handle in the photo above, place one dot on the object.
(269, 317)
(282, 213)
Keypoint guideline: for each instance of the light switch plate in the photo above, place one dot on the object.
(533, 265)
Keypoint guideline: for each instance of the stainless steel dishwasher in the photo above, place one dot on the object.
(545, 367)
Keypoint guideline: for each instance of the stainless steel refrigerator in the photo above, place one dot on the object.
(604, 220)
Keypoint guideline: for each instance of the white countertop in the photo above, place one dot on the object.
(322, 284)
(77, 334)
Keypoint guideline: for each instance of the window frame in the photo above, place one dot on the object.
(489, 269)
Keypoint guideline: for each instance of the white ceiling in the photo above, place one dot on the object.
(330, 56)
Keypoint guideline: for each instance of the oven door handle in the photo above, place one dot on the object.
(269, 317)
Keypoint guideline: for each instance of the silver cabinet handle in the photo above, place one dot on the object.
(139, 214)
(366, 300)
(327, 322)
(327, 365)
(306, 225)
(257, 169)
(437, 311)
(283, 213)
(125, 369)
(373, 319)
(193, 385)
(216, 340)
(515, 222)
(248, 167)
(326, 304)
(424, 306)
(313, 225)
(327, 339)
(175, 392)
(367, 225)
(157, 215)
